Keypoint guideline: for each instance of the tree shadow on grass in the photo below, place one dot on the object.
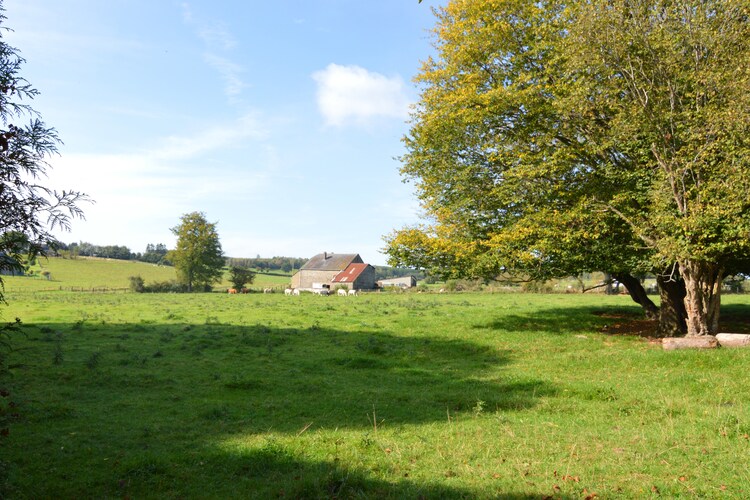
(566, 320)
(272, 472)
(615, 320)
(735, 318)
(150, 393)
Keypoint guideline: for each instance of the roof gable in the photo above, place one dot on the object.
(350, 274)
(331, 262)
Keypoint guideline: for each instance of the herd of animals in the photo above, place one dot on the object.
(296, 291)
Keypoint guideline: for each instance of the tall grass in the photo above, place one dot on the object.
(378, 396)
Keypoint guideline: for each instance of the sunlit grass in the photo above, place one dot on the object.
(463, 395)
(90, 273)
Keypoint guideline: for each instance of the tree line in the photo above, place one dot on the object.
(282, 264)
(155, 253)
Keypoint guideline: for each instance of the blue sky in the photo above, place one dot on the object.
(281, 120)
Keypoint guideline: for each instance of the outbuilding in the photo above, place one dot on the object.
(402, 282)
(327, 270)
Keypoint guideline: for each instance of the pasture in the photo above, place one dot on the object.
(100, 274)
(377, 396)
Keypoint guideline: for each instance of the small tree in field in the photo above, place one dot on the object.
(241, 276)
(198, 258)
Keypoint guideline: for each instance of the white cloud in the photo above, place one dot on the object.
(217, 40)
(217, 36)
(136, 194)
(352, 93)
(217, 137)
(230, 73)
(187, 12)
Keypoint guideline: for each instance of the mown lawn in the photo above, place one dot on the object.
(377, 396)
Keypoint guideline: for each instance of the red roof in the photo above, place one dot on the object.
(350, 274)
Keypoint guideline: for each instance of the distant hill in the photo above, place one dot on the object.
(87, 272)
(98, 273)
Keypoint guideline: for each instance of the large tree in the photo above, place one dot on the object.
(198, 257)
(675, 78)
(536, 147)
(29, 211)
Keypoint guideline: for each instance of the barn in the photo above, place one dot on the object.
(328, 270)
(402, 282)
(355, 277)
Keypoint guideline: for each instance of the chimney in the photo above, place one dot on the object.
(325, 255)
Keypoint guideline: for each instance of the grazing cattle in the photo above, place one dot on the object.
(323, 292)
(245, 290)
(232, 291)
(442, 290)
(268, 290)
(288, 291)
(295, 291)
(353, 292)
(342, 292)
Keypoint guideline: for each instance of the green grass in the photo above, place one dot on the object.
(112, 274)
(86, 272)
(377, 396)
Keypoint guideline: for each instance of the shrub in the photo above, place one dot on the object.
(536, 287)
(170, 286)
(137, 284)
(240, 276)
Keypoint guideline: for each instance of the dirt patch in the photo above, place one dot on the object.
(645, 328)
(626, 324)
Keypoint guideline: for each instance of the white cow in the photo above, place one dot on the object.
(323, 292)
(295, 291)
(268, 290)
(288, 291)
(341, 292)
(353, 292)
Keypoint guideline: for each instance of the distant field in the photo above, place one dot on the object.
(378, 396)
(95, 273)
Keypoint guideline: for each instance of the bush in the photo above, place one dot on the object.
(137, 284)
(537, 287)
(240, 276)
(171, 286)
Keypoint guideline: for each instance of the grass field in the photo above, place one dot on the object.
(94, 273)
(377, 396)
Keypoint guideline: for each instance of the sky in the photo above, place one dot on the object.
(280, 120)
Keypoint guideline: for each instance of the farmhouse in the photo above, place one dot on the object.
(402, 282)
(329, 270)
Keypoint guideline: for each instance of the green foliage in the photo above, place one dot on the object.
(137, 284)
(156, 254)
(29, 211)
(198, 257)
(496, 162)
(104, 251)
(554, 138)
(171, 286)
(240, 276)
(283, 264)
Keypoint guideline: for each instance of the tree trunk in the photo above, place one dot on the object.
(672, 313)
(637, 293)
(702, 297)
